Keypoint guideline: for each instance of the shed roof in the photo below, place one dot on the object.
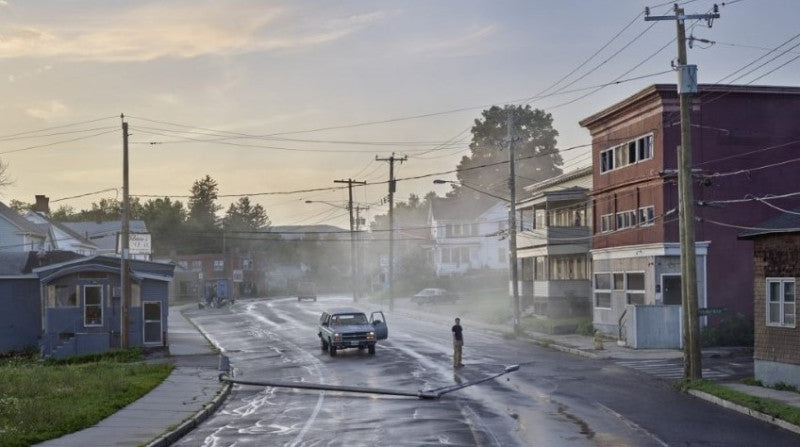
(788, 222)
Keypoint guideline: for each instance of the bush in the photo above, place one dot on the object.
(585, 327)
(730, 331)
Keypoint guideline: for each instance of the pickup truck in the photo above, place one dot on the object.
(347, 327)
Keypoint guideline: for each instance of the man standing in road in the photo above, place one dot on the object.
(458, 343)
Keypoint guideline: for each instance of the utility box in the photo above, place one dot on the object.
(687, 79)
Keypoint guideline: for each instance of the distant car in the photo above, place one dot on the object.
(306, 291)
(434, 296)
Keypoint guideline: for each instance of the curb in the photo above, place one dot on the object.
(193, 421)
(747, 411)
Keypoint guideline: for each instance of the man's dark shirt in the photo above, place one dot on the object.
(457, 332)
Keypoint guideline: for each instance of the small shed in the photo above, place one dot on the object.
(81, 305)
(776, 259)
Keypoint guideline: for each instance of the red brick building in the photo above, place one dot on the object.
(745, 140)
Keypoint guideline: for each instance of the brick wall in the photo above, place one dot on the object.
(775, 255)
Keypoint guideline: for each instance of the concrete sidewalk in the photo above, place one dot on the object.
(190, 393)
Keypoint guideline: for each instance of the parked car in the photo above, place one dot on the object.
(306, 291)
(346, 327)
(434, 296)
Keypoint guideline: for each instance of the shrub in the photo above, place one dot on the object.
(730, 331)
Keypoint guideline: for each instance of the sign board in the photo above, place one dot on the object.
(138, 243)
(706, 311)
(238, 275)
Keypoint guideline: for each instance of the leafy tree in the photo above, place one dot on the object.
(102, 211)
(202, 217)
(536, 156)
(166, 222)
(20, 206)
(412, 266)
(242, 220)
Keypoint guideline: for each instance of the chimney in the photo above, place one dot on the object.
(42, 204)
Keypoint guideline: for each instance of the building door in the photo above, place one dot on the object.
(151, 316)
(671, 284)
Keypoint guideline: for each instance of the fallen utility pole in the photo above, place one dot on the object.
(421, 394)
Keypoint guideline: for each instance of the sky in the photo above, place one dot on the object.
(278, 101)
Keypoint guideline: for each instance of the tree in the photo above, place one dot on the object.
(19, 206)
(242, 220)
(166, 222)
(202, 218)
(487, 169)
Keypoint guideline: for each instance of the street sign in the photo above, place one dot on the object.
(706, 311)
(238, 275)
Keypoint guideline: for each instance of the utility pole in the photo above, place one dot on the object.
(359, 250)
(350, 183)
(687, 84)
(125, 279)
(512, 222)
(392, 188)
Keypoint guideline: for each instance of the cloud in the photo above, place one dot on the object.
(178, 30)
(47, 110)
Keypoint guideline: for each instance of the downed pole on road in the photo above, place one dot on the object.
(421, 394)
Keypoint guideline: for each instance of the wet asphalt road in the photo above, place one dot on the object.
(555, 399)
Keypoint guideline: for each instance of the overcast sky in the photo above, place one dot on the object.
(274, 98)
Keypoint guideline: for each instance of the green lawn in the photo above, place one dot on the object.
(41, 401)
(767, 406)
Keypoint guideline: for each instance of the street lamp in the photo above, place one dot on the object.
(512, 245)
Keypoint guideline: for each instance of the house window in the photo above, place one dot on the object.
(605, 223)
(540, 272)
(567, 267)
(626, 219)
(539, 219)
(66, 296)
(644, 148)
(607, 160)
(630, 152)
(247, 264)
(619, 281)
(92, 306)
(197, 266)
(781, 302)
(634, 288)
(219, 265)
(602, 290)
(646, 216)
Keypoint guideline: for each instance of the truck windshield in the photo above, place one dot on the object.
(348, 319)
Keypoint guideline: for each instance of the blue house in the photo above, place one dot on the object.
(65, 304)
(81, 305)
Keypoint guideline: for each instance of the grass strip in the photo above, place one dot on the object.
(764, 405)
(41, 401)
